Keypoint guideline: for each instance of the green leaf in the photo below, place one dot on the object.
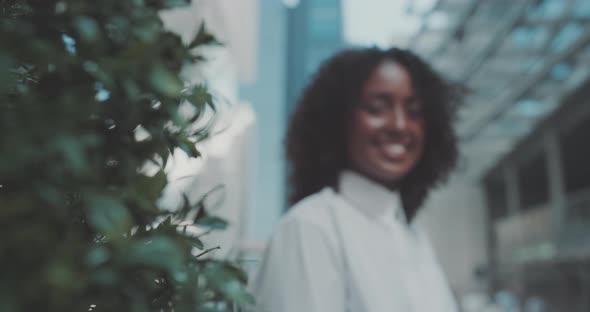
(7, 300)
(176, 3)
(197, 243)
(211, 222)
(108, 215)
(201, 134)
(72, 150)
(60, 274)
(224, 278)
(162, 150)
(166, 227)
(148, 30)
(236, 272)
(159, 252)
(186, 207)
(203, 37)
(188, 146)
(236, 292)
(200, 97)
(87, 28)
(6, 78)
(55, 184)
(151, 187)
(165, 82)
(131, 89)
(100, 72)
(97, 256)
(105, 277)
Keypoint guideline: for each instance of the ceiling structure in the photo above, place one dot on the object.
(517, 58)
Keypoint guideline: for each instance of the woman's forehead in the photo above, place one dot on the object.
(392, 72)
(389, 76)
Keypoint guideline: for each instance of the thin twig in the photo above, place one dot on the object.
(207, 251)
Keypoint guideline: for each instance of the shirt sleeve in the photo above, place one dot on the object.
(300, 271)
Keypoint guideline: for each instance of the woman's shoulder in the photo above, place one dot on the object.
(309, 223)
(313, 210)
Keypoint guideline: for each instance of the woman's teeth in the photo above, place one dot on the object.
(395, 149)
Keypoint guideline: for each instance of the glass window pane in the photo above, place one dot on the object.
(533, 183)
(576, 157)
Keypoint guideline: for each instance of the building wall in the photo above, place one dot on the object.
(541, 247)
(227, 159)
(289, 50)
(266, 93)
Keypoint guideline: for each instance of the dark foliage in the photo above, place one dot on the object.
(79, 221)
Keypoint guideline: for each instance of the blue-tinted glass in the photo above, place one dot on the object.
(528, 108)
(561, 71)
(317, 55)
(586, 51)
(512, 126)
(526, 37)
(582, 8)
(532, 64)
(324, 22)
(291, 4)
(566, 36)
(521, 36)
(549, 9)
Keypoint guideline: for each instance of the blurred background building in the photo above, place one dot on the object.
(513, 224)
(514, 219)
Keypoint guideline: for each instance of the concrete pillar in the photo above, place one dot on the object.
(557, 195)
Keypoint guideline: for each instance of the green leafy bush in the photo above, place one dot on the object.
(79, 221)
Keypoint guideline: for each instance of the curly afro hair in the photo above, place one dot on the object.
(317, 133)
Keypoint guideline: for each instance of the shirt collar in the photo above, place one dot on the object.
(371, 197)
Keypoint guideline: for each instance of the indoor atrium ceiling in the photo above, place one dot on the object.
(517, 58)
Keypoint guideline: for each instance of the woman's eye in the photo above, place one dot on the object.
(375, 106)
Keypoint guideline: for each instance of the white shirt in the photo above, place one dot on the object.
(351, 251)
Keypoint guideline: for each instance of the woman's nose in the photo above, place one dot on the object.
(398, 118)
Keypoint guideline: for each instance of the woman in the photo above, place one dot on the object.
(371, 136)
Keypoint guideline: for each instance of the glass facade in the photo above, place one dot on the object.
(314, 34)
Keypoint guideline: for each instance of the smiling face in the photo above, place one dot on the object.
(387, 130)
